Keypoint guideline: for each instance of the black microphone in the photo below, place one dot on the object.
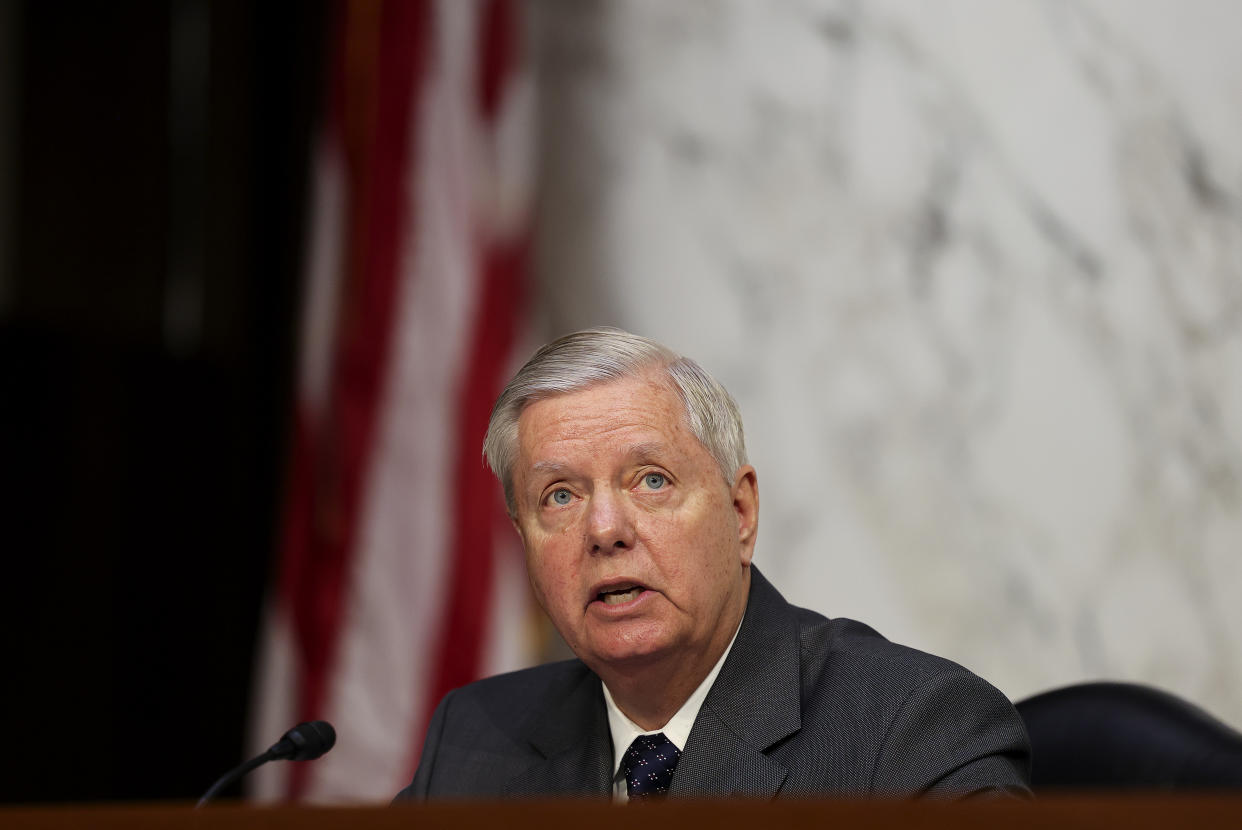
(304, 742)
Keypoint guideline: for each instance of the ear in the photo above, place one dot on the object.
(746, 506)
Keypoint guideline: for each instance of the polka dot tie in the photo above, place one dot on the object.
(649, 765)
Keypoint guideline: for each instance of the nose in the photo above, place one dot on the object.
(610, 525)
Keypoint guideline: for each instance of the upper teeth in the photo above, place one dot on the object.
(619, 596)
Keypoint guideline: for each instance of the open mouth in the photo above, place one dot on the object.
(619, 596)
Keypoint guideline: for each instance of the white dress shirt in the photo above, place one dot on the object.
(677, 730)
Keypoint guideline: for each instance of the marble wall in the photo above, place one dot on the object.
(973, 270)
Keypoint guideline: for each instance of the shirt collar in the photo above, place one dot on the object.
(677, 730)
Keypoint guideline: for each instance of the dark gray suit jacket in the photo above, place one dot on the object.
(803, 706)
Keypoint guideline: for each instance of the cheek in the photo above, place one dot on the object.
(552, 574)
(711, 531)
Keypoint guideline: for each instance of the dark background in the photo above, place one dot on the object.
(156, 201)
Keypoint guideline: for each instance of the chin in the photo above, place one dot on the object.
(631, 652)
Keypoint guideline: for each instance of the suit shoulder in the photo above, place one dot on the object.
(896, 720)
(852, 652)
(516, 694)
(481, 734)
(541, 675)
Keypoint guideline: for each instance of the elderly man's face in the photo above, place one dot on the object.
(636, 546)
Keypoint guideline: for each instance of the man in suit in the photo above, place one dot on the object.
(625, 474)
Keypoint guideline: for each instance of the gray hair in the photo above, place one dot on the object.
(585, 358)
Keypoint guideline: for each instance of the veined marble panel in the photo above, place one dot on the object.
(972, 269)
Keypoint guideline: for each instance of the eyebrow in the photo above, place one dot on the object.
(547, 467)
(646, 450)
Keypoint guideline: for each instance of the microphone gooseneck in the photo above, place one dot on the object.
(304, 742)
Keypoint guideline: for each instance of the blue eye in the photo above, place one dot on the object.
(655, 480)
(562, 497)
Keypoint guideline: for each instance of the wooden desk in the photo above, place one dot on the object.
(1063, 813)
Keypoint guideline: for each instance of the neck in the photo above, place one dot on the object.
(634, 697)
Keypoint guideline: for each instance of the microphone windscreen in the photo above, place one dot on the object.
(309, 740)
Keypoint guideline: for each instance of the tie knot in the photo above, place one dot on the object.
(649, 765)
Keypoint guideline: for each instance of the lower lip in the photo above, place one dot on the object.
(621, 608)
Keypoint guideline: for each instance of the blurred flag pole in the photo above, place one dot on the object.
(398, 576)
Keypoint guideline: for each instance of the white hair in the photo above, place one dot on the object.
(585, 358)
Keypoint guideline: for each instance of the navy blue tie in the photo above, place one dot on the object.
(649, 765)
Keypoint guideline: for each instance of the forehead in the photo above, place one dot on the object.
(642, 408)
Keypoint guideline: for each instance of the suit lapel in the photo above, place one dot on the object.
(754, 704)
(719, 763)
(574, 745)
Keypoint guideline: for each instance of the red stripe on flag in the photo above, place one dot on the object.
(330, 468)
(478, 506)
(497, 53)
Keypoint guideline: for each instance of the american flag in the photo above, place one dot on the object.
(399, 577)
